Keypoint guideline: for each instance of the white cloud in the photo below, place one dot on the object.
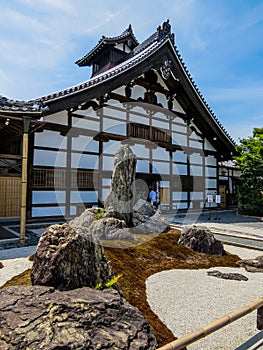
(66, 6)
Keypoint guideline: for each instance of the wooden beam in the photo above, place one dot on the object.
(24, 189)
(10, 156)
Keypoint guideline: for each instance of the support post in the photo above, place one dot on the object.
(26, 124)
(260, 318)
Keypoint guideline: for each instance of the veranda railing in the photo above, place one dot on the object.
(218, 324)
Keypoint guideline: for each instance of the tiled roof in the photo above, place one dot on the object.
(104, 41)
(20, 106)
(98, 79)
(140, 53)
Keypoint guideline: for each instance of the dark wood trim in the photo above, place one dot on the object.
(51, 149)
(68, 166)
(30, 177)
(11, 156)
(100, 170)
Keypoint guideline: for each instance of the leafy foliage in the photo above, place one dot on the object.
(99, 213)
(250, 161)
(108, 284)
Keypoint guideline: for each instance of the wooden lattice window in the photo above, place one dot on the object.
(56, 178)
(49, 178)
(84, 179)
(147, 132)
(139, 131)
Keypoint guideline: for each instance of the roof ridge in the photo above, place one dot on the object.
(128, 31)
(98, 78)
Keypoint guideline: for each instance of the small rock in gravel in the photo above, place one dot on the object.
(227, 276)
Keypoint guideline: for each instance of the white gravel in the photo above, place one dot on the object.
(186, 300)
(15, 261)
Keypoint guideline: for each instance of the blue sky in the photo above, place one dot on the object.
(219, 40)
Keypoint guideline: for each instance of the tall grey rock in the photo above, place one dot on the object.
(41, 317)
(119, 203)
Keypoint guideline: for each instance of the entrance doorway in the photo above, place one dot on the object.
(222, 192)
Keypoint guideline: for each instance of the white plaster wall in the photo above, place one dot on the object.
(84, 143)
(49, 138)
(58, 118)
(49, 158)
(85, 161)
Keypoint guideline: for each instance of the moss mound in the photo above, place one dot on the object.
(137, 263)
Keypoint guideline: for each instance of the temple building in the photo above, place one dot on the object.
(57, 151)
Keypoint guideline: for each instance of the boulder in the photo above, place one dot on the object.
(227, 276)
(201, 240)
(252, 265)
(110, 229)
(143, 207)
(144, 224)
(85, 219)
(39, 317)
(120, 201)
(69, 258)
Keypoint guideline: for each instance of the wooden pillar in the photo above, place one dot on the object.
(68, 166)
(189, 187)
(260, 318)
(101, 173)
(204, 171)
(26, 124)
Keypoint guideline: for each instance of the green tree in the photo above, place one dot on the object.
(249, 160)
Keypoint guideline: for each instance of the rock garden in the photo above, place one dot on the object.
(86, 289)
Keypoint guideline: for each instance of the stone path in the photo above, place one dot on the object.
(222, 220)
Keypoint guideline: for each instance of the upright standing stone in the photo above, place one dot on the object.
(119, 203)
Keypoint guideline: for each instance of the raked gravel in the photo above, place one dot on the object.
(186, 300)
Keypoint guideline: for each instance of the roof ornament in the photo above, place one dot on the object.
(164, 31)
(166, 69)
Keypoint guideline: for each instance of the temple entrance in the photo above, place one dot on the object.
(144, 184)
(222, 192)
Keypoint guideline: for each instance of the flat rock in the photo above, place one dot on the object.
(41, 317)
(227, 276)
(252, 265)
